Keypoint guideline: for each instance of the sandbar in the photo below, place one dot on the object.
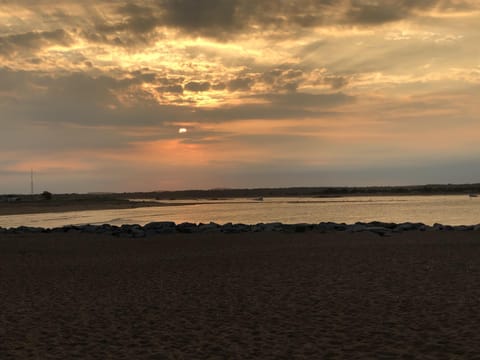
(65, 205)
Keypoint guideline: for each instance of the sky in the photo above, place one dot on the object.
(113, 96)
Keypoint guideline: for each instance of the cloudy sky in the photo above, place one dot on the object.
(271, 93)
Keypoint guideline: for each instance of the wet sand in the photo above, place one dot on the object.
(240, 296)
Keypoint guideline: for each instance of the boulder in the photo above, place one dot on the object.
(437, 227)
(210, 227)
(408, 226)
(235, 228)
(275, 226)
(29, 229)
(160, 225)
(258, 227)
(187, 227)
(357, 227)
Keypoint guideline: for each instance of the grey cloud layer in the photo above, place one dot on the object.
(221, 17)
(82, 99)
(125, 23)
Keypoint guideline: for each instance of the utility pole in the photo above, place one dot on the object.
(31, 181)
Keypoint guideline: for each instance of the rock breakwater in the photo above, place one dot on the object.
(168, 227)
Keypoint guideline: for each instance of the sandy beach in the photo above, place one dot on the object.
(239, 296)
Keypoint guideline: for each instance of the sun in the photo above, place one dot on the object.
(182, 130)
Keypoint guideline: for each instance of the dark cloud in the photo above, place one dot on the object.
(291, 86)
(292, 73)
(33, 41)
(336, 82)
(378, 12)
(364, 12)
(240, 84)
(225, 18)
(283, 79)
(170, 80)
(219, 86)
(144, 76)
(197, 86)
(174, 89)
(129, 24)
(138, 20)
(134, 10)
(202, 16)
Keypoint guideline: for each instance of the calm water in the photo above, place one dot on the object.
(454, 210)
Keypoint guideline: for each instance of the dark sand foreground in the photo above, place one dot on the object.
(239, 296)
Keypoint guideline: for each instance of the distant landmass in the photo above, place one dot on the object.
(326, 191)
(431, 189)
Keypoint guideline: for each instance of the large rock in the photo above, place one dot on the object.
(235, 228)
(29, 229)
(211, 227)
(331, 226)
(258, 227)
(408, 226)
(187, 227)
(275, 226)
(127, 230)
(437, 227)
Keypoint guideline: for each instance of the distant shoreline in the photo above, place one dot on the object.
(321, 192)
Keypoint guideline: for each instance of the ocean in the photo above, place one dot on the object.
(450, 209)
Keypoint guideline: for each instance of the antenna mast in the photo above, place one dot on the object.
(31, 181)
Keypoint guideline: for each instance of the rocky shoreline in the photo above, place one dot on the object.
(168, 227)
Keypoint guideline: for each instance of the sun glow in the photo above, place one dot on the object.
(182, 130)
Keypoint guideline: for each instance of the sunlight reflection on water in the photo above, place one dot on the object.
(453, 210)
